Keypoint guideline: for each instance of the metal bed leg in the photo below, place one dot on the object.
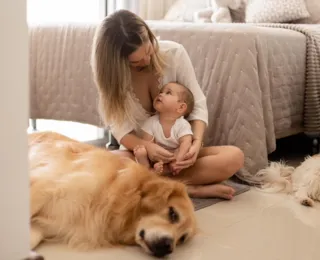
(34, 124)
(113, 143)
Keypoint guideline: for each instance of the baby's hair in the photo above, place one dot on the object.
(187, 97)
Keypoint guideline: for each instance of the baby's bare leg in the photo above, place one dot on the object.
(141, 155)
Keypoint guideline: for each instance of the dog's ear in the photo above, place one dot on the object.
(156, 193)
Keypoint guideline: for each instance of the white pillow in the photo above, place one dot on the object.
(313, 7)
(275, 11)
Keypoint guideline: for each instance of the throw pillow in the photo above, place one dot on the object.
(275, 11)
(313, 7)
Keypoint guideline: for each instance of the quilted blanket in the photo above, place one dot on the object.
(253, 78)
(312, 88)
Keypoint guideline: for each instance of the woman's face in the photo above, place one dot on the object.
(142, 56)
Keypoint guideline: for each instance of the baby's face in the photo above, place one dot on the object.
(168, 99)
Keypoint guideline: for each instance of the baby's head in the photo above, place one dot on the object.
(174, 99)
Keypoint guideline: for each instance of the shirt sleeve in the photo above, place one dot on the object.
(148, 125)
(120, 132)
(187, 77)
(183, 128)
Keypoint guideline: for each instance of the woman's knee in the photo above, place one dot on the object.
(235, 159)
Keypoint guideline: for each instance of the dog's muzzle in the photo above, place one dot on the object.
(161, 247)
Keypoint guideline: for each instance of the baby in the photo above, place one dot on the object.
(168, 128)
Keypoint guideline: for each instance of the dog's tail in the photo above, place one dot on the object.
(276, 178)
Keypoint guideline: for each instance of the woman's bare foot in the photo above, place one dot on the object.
(141, 155)
(158, 167)
(211, 191)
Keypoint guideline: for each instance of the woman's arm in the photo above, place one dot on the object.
(155, 152)
(126, 136)
(186, 76)
(130, 141)
(199, 116)
(198, 129)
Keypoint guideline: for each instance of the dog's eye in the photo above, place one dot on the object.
(182, 239)
(173, 215)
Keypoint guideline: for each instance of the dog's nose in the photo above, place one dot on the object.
(162, 246)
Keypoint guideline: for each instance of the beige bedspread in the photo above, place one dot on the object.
(253, 78)
(312, 90)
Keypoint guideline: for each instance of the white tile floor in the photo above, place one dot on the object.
(253, 226)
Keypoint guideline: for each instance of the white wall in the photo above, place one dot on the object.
(14, 193)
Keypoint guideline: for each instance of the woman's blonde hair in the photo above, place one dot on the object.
(119, 35)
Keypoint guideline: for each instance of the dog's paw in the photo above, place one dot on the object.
(307, 202)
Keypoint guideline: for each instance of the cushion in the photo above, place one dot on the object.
(313, 7)
(275, 11)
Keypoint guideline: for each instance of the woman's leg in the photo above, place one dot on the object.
(214, 165)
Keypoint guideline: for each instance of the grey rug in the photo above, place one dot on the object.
(203, 203)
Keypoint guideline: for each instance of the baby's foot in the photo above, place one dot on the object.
(211, 191)
(141, 155)
(140, 150)
(158, 167)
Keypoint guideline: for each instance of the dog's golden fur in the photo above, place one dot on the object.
(88, 198)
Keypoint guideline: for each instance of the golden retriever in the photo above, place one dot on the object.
(303, 181)
(88, 197)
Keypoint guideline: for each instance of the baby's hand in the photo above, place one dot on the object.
(174, 169)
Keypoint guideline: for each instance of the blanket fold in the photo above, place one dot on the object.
(311, 120)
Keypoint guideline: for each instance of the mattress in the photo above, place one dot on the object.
(253, 77)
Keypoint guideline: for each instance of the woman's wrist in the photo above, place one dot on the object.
(197, 141)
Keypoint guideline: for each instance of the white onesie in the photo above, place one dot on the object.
(180, 128)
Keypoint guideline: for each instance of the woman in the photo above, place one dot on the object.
(129, 66)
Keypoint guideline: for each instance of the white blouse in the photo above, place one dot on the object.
(179, 69)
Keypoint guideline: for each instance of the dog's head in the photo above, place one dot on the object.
(167, 216)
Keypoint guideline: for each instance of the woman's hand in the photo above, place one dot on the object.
(157, 153)
(189, 159)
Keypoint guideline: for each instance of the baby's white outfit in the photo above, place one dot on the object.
(180, 128)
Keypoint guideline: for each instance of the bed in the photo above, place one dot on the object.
(254, 77)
